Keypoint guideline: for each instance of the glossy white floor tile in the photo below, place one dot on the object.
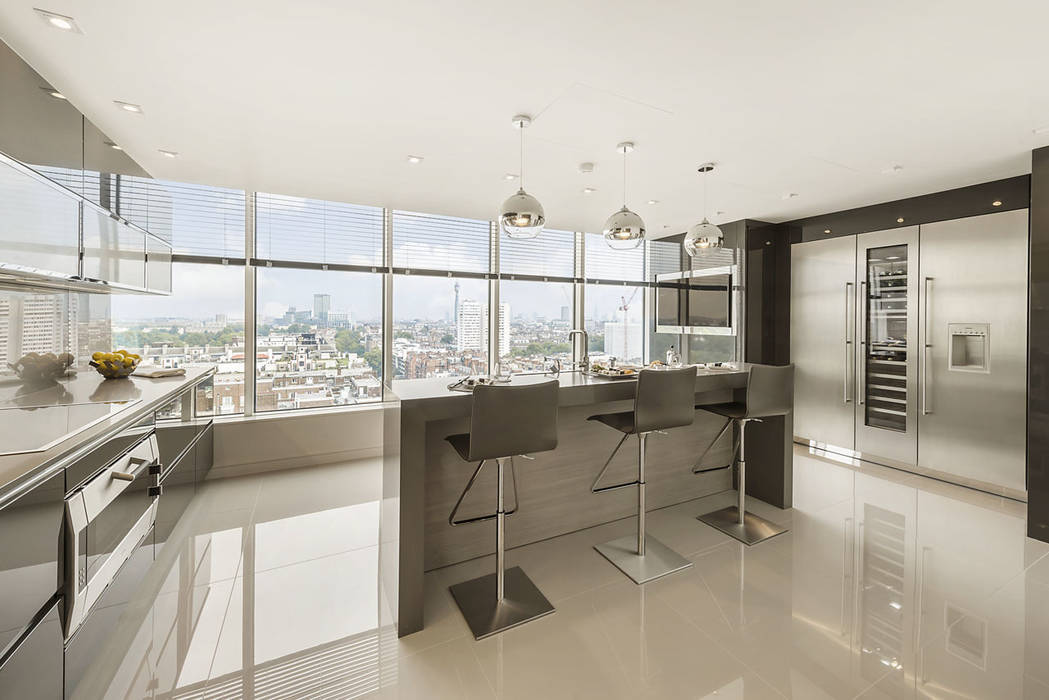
(887, 585)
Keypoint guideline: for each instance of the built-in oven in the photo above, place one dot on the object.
(698, 302)
(107, 517)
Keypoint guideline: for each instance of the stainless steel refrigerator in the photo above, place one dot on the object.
(910, 347)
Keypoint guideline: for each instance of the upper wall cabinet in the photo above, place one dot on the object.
(39, 226)
(64, 221)
(114, 252)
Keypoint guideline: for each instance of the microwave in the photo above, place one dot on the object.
(698, 302)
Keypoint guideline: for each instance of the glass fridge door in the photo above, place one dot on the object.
(885, 364)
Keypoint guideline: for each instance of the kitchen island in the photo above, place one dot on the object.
(423, 476)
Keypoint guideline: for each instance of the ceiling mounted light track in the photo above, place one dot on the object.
(704, 236)
(522, 215)
(624, 230)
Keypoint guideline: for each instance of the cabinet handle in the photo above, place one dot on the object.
(122, 476)
(925, 351)
(848, 344)
(862, 370)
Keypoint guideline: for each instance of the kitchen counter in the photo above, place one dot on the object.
(423, 476)
(21, 472)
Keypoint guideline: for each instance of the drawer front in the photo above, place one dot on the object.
(30, 528)
(81, 471)
(33, 670)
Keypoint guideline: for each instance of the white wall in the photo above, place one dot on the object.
(267, 443)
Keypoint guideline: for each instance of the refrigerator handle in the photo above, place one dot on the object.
(926, 346)
(848, 344)
(862, 370)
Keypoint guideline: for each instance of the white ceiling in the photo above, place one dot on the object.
(327, 99)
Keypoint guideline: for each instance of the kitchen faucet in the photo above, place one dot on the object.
(583, 364)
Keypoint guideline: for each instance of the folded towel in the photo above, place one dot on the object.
(153, 372)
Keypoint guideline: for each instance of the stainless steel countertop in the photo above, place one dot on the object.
(20, 472)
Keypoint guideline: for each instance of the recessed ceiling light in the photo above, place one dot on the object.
(789, 195)
(892, 170)
(128, 106)
(169, 154)
(1040, 130)
(415, 159)
(719, 213)
(63, 22)
(589, 190)
(653, 201)
(53, 93)
(112, 145)
(899, 219)
(510, 176)
(586, 168)
(996, 203)
(826, 230)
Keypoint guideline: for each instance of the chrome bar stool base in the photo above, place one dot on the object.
(657, 561)
(487, 615)
(754, 528)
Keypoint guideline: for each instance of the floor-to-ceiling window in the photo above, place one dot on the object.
(460, 291)
(202, 321)
(536, 300)
(318, 304)
(615, 301)
(441, 301)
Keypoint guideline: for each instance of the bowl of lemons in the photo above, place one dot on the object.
(115, 365)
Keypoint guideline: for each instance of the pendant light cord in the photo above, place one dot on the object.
(624, 178)
(520, 154)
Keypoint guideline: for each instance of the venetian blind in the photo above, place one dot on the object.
(297, 229)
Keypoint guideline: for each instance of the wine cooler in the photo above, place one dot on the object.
(886, 354)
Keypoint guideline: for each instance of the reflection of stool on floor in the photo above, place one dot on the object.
(664, 399)
(504, 421)
(770, 392)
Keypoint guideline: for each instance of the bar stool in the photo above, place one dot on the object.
(504, 421)
(663, 399)
(770, 392)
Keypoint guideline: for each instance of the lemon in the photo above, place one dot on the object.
(121, 352)
(96, 356)
(129, 361)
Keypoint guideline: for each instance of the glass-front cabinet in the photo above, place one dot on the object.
(887, 352)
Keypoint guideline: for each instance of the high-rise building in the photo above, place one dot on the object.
(471, 330)
(566, 313)
(321, 306)
(471, 324)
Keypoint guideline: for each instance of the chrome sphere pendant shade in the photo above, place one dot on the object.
(704, 236)
(522, 215)
(624, 230)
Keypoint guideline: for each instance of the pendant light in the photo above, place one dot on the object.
(624, 229)
(703, 236)
(522, 215)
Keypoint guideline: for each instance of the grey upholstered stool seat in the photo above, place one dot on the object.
(505, 421)
(663, 399)
(770, 392)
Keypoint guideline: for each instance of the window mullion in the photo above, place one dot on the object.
(250, 336)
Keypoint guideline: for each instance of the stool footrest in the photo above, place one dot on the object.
(704, 470)
(613, 487)
(480, 518)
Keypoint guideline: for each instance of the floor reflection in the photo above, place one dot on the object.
(888, 585)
